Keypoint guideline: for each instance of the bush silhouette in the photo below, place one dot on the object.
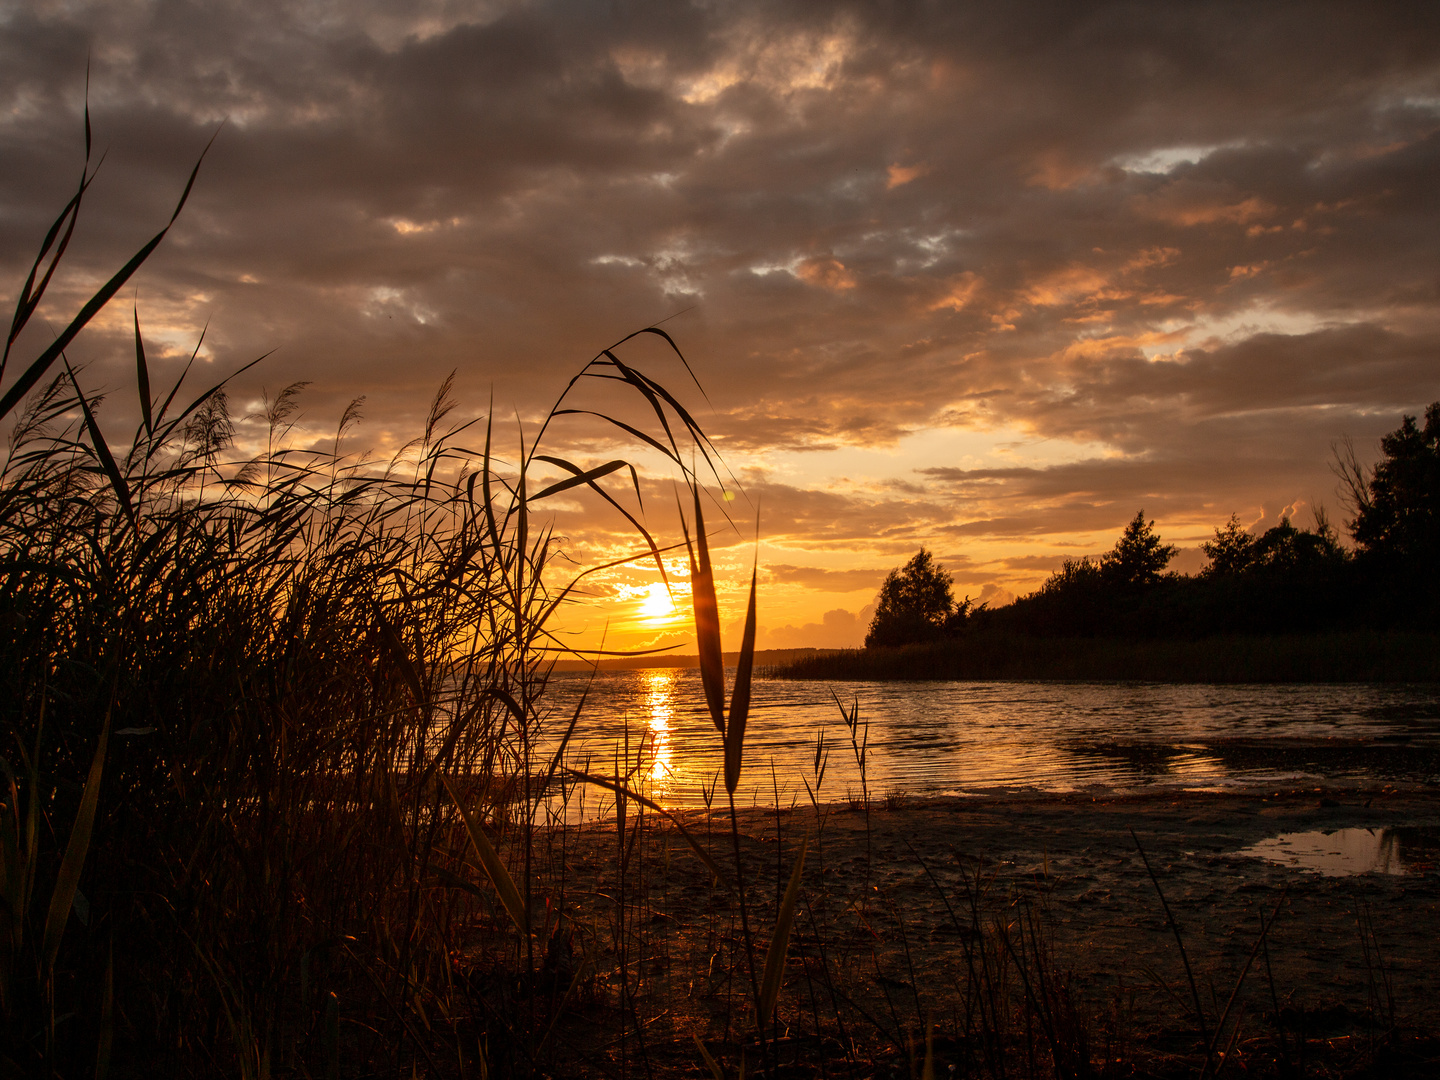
(915, 604)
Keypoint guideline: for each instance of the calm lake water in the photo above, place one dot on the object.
(961, 738)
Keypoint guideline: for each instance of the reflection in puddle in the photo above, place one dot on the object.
(1344, 852)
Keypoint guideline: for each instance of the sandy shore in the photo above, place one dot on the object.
(887, 915)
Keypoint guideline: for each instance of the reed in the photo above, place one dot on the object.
(320, 679)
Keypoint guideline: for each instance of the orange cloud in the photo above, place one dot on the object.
(826, 273)
(1162, 299)
(1100, 347)
(898, 174)
(1068, 284)
(960, 290)
(1203, 212)
(1238, 273)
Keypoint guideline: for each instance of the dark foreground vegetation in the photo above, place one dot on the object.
(281, 796)
(1291, 604)
(242, 698)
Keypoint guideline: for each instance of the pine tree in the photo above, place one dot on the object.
(1232, 550)
(1138, 558)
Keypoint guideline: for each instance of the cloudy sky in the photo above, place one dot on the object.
(983, 277)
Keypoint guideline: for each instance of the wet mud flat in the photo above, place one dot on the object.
(902, 904)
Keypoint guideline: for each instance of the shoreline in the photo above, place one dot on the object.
(1018, 821)
(883, 892)
(1356, 656)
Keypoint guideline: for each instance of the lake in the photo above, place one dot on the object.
(963, 738)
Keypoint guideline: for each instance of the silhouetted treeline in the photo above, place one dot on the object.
(1288, 582)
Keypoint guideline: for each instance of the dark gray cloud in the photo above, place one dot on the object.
(1174, 250)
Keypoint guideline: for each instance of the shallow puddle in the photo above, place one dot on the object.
(1344, 852)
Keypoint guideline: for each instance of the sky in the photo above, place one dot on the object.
(983, 278)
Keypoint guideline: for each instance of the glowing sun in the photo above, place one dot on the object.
(655, 604)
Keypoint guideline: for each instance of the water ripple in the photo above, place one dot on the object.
(968, 737)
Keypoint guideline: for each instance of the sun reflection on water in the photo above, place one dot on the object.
(658, 703)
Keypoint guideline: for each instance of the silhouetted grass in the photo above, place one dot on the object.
(293, 654)
(241, 694)
(1358, 656)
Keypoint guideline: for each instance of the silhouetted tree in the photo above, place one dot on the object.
(1074, 575)
(1232, 550)
(1138, 558)
(1397, 506)
(1284, 547)
(915, 604)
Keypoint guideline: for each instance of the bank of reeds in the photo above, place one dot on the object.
(1356, 656)
(240, 697)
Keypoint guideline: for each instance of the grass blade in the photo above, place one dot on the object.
(46, 359)
(740, 697)
(102, 452)
(651, 804)
(494, 869)
(559, 755)
(710, 1062)
(68, 880)
(1180, 943)
(578, 476)
(1265, 925)
(676, 350)
(629, 429)
(414, 678)
(780, 940)
(30, 295)
(707, 619)
(142, 379)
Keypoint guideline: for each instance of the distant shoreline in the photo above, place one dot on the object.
(1353, 656)
(764, 658)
